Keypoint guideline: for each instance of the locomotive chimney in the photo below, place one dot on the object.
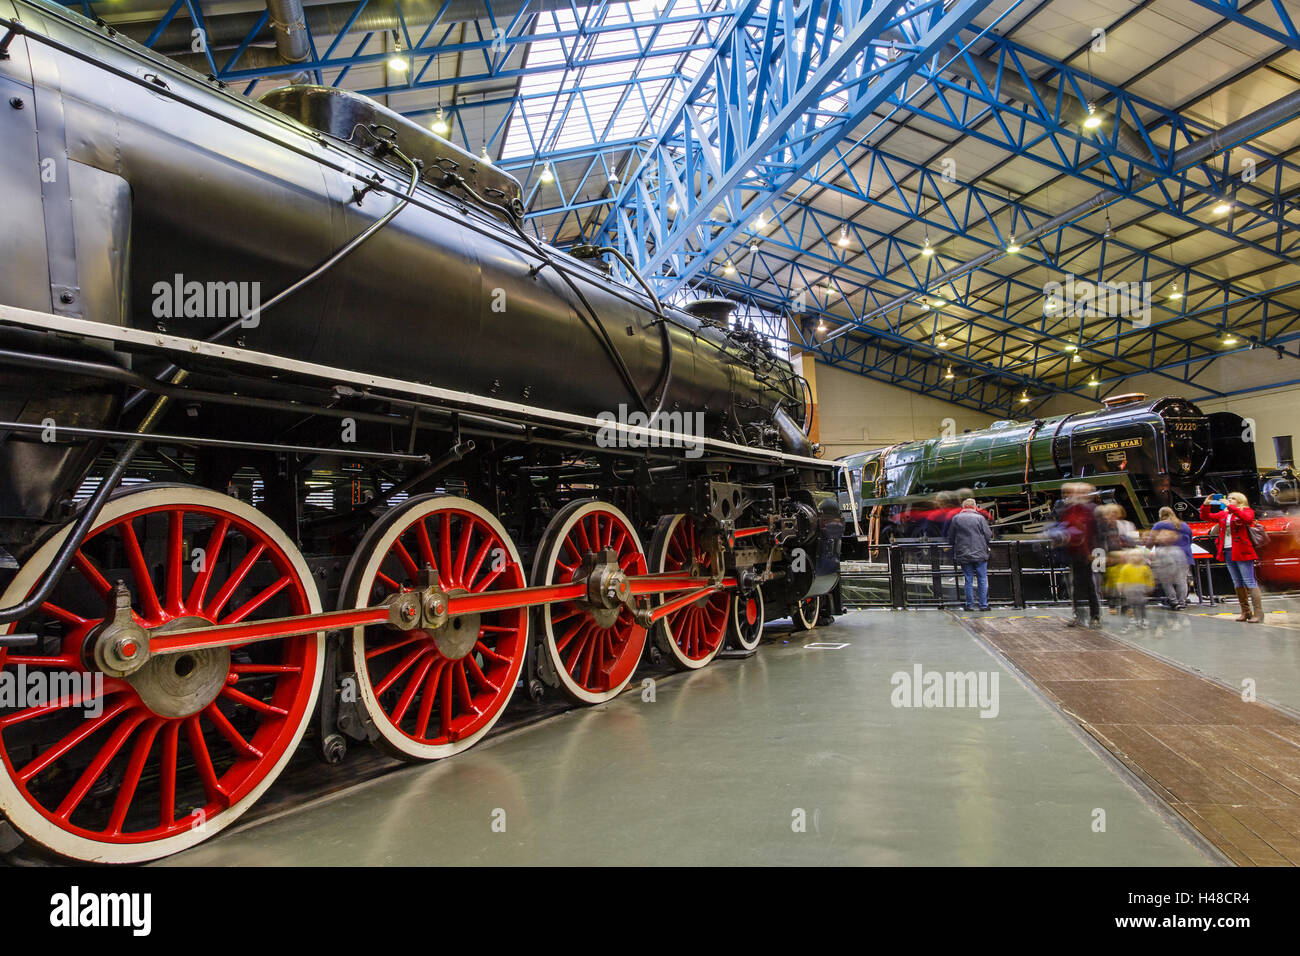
(1111, 401)
(1282, 448)
(712, 311)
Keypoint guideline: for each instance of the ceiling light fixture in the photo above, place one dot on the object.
(843, 240)
(1093, 120)
(440, 124)
(729, 268)
(1024, 397)
(548, 174)
(1174, 294)
(949, 374)
(672, 203)
(928, 250)
(1223, 208)
(397, 62)
(1013, 247)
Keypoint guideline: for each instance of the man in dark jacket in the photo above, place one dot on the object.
(969, 534)
(1076, 529)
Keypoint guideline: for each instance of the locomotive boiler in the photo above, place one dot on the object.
(303, 435)
(1142, 453)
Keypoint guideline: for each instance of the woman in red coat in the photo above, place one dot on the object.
(1235, 549)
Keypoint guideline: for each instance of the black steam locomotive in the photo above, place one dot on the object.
(301, 433)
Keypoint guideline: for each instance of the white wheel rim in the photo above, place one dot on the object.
(30, 820)
(370, 700)
(801, 616)
(738, 623)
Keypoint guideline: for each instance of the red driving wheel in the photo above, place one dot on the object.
(691, 636)
(433, 693)
(126, 770)
(592, 649)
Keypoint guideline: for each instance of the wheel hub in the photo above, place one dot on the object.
(458, 634)
(607, 588)
(179, 685)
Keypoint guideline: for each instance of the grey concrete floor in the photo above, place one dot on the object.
(723, 764)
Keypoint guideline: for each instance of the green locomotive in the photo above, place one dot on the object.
(1141, 453)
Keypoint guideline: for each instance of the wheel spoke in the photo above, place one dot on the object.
(426, 546)
(240, 697)
(131, 777)
(175, 562)
(253, 603)
(462, 551)
(213, 610)
(199, 589)
(477, 564)
(167, 774)
(427, 698)
(412, 686)
(96, 768)
(491, 654)
(462, 688)
(265, 669)
(203, 762)
(227, 730)
(402, 667)
(488, 579)
(409, 638)
(399, 551)
(92, 574)
(444, 549)
(71, 739)
(145, 592)
(444, 691)
(480, 678)
(64, 615)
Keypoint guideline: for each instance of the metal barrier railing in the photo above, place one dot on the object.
(1021, 573)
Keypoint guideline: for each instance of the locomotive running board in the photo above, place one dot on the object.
(667, 441)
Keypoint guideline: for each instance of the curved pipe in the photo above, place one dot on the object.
(290, 26)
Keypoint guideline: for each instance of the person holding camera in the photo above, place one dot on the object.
(1236, 549)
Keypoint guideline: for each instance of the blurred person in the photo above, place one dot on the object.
(1234, 516)
(1076, 532)
(1117, 535)
(1170, 523)
(1169, 566)
(1134, 583)
(969, 534)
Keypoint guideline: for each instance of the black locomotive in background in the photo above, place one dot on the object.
(269, 367)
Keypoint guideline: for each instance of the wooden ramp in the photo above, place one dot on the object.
(1230, 768)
